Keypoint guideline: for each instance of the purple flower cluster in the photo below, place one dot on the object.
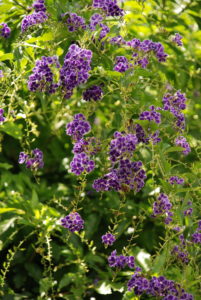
(75, 69)
(162, 207)
(122, 145)
(81, 163)
(146, 138)
(120, 261)
(42, 78)
(110, 7)
(1, 74)
(122, 64)
(4, 30)
(175, 103)
(78, 127)
(73, 222)
(151, 115)
(108, 239)
(105, 30)
(35, 162)
(158, 287)
(93, 93)
(188, 211)
(147, 46)
(180, 251)
(2, 118)
(142, 49)
(177, 39)
(182, 142)
(176, 180)
(39, 5)
(38, 17)
(90, 146)
(95, 19)
(196, 237)
(127, 176)
(82, 148)
(74, 22)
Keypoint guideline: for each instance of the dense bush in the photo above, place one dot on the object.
(100, 149)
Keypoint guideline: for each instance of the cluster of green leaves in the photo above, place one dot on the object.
(40, 259)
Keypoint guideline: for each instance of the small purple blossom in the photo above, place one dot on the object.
(33, 19)
(75, 69)
(177, 39)
(42, 78)
(122, 146)
(39, 5)
(74, 22)
(95, 19)
(81, 163)
(182, 142)
(93, 93)
(2, 118)
(110, 7)
(78, 127)
(162, 207)
(188, 211)
(108, 239)
(34, 162)
(151, 115)
(127, 176)
(73, 222)
(176, 180)
(5, 30)
(120, 261)
(121, 64)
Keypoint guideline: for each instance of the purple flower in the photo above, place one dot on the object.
(75, 69)
(122, 146)
(93, 93)
(74, 22)
(121, 64)
(108, 239)
(182, 142)
(35, 162)
(73, 222)
(39, 5)
(158, 287)
(2, 118)
(188, 211)
(127, 176)
(120, 261)
(78, 127)
(5, 30)
(81, 163)
(42, 77)
(95, 19)
(162, 207)
(151, 115)
(110, 7)
(177, 39)
(33, 19)
(90, 146)
(176, 180)
(175, 103)
(196, 237)
(143, 62)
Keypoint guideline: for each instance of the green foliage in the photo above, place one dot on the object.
(39, 258)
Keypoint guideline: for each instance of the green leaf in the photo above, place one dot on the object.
(174, 149)
(5, 166)
(7, 56)
(12, 129)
